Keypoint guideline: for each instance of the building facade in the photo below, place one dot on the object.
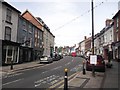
(108, 39)
(26, 39)
(116, 43)
(48, 39)
(87, 46)
(8, 36)
(82, 47)
(37, 34)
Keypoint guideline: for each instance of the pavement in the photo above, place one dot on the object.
(101, 80)
(5, 70)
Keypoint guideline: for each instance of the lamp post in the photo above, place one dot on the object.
(93, 66)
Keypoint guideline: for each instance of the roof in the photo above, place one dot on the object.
(29, 22)
(116, 14)
(8, 5)
(33, 17)
(44, 25)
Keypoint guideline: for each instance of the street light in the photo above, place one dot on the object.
(93, 66)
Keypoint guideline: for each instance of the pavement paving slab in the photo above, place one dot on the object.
(87, 80)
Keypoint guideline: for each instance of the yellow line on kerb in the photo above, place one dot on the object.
(60, 82)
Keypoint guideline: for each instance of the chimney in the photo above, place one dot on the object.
(85, 37)
(108, 22)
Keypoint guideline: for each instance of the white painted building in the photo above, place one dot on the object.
(82, 47)
(8, 32)
(97, 44)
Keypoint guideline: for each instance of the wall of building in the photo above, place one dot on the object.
(13, 26)
(1, 20)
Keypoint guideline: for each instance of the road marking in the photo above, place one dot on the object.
(62, 86)
(48, 80)
(44, 72)
(67, 63)
(57, 84)
(13, 81)
(12, 75)
(56, 68)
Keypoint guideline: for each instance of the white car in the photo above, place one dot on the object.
(46, 59)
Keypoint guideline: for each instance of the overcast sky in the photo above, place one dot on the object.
(69, 20)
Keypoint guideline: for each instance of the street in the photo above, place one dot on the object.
(47, 76)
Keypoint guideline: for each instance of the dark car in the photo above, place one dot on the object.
(56, 57)
(100, 66)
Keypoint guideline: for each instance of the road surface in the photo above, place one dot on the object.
(47, 76)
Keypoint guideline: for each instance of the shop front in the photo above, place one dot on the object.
(10, 52)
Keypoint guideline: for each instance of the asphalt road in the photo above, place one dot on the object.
(46, 76)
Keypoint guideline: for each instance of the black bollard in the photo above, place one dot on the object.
(66, 80)
(11, 68)
(84, 72)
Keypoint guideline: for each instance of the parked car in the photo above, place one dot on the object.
(56, 57)
(46, 59)
(73, 54)
(100, 66)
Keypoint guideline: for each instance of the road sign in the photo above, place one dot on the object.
(93, 59)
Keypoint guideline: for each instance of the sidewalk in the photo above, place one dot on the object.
(109, 79)
(6, 69)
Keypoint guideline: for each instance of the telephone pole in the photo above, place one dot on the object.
(93, 66)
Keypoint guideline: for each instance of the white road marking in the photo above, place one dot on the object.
(12, 75)
(67, 63)
(56, 68)
(44, 72)
(53, 79)
(13, 81)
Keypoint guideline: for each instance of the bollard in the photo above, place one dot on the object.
(84, 72)
(65, 80)
(11, 68)
(93, 70)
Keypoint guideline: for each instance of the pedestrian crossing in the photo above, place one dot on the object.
(50, 80)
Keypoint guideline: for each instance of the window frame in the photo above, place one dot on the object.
(8, 15)
(7, 34)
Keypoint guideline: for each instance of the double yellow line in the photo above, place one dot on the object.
(61, 82)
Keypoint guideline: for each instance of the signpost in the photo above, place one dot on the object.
(93, 59)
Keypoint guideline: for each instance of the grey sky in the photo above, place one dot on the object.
(69, 20)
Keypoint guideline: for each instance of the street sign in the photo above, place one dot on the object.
(93, 59)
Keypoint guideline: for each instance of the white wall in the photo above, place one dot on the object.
(83, 47)
(13, 26)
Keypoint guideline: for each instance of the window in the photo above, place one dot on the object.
(105, 38)
(110, 35)
(30, 42)
(7, 33)
(35, 42)
(23, 40)
(117, 22)
(117, 37)
(8, 15)
(24, 25)
(36, 33)
(30, 28)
